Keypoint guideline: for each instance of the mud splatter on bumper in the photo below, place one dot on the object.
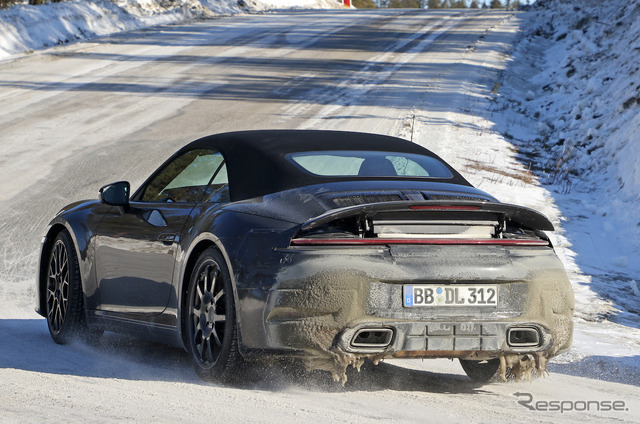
(322, 299)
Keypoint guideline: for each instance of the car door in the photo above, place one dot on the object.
(136, 248)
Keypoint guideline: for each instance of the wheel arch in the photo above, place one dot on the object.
(198, 246)
(57, 226)
(45, 249)
(47, 244)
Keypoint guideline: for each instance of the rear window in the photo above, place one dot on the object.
(369, 164)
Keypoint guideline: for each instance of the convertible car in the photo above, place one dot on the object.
(324, 246)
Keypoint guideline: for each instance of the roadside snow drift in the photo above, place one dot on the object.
(571, 105)
(24, 28)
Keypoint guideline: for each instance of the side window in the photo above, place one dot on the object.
(187, 178)
(218, 189)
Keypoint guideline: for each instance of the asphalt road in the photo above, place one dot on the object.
(77, 117)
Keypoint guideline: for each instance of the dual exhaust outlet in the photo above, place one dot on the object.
(372, 337)
(523, 337)
(382, 337)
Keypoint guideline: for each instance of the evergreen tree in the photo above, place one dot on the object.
(434, 4)
(405, 4)
(364, 4)
(495, 4)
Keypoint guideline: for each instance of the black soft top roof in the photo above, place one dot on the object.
(257, 166)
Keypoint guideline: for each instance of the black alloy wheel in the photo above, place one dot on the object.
(210, 319)
(63, 290)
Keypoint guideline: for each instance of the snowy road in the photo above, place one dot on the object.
(77, 117)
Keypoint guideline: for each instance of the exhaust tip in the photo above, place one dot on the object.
(372, 337)
(523, 337)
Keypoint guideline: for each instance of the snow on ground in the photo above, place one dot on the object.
(570, 107)
(579, 117)
(24, 28)
(558, 133)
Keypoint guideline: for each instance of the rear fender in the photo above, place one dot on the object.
(204, 241)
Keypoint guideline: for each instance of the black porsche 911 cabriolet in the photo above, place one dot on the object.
(331, 247)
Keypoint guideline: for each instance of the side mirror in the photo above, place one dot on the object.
(116, 194)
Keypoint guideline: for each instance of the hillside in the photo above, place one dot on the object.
(570, 102)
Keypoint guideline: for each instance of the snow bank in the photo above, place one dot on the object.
(587, 94)
(24, 28)
(301, 4)
(570, 102)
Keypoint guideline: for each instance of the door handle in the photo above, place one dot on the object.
(167, 238)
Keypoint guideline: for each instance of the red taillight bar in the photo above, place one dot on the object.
(382, 241)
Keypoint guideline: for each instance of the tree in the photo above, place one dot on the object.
(405, 4)
(364, 4)
(434, 4)
(474, 5)
(495, 4)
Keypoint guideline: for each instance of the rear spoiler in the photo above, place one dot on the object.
(521, 215)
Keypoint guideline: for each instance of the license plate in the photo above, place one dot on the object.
(434, 295)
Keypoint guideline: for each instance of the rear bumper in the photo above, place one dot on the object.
(446, 339)
(323, 299)
(372, 336)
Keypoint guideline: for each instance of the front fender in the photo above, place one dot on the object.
(81, 221)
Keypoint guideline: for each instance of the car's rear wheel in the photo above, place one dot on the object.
(210, 319)
(63, 291)
(481, 371)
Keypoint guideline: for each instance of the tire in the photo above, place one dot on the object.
(481, 371)
(64, 291)
(209, 318)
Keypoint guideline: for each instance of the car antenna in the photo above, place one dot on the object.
(413, 122)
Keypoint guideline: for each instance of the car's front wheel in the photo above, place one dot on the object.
(63, 290)
(210, 319)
